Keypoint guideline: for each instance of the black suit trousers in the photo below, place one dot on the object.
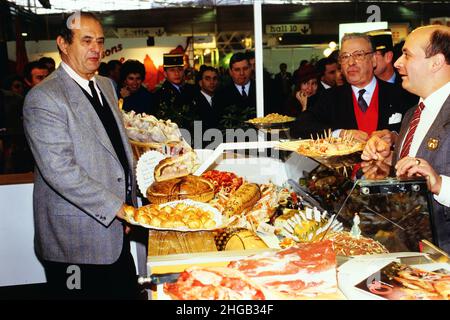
(97, 282)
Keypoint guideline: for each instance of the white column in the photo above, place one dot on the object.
(258, 58)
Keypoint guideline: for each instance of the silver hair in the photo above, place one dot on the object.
(356, 35)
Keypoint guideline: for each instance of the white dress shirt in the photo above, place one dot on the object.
(81, 81)
(325, 85)
(370, 89)
(433, 105)
(246, 88)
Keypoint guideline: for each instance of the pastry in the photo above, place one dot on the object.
(176, 167)
(188, 187)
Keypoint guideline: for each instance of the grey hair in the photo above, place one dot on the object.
(357, 35)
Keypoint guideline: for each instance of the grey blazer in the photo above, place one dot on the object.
(439, 159)
(79, 182)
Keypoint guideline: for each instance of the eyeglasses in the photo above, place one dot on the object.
(358, 56)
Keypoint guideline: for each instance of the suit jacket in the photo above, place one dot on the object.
(334, 109)
(79, 182)
(176, 106)
(207, 113)
(439, 159)
(235, 109)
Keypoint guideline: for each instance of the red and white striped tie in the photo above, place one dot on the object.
(412, 128)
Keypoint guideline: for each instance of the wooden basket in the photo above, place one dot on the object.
(161, 243)
(139, 148)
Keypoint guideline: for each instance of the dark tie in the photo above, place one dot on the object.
(412, 128)
(94, 93)
(244, 94)
(361, 102)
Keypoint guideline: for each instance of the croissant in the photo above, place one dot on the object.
(244, 197)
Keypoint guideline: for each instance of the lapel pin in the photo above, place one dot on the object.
(432, 144)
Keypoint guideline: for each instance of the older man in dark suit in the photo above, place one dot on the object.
(423, 146)
(363, 105)
(84, 172)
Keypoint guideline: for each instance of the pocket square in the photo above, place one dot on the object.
(395, 118)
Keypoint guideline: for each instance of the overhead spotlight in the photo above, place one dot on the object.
(327, 52)
(24, 34)
(45, 4)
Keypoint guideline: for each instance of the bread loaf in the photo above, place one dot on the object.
(188, 187)
(238, 239)
(244, 197)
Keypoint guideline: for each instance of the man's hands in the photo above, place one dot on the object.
(378, 147)
(356, 134)
(375, 170)
(415, 166)
(124, 214)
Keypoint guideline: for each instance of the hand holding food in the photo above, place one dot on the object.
(376, 149)
(355, 134)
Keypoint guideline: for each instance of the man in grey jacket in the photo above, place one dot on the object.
(84, 173)
(423, 145)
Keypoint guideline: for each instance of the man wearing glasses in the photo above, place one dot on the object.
(363, 105)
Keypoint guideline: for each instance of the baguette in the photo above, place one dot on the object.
(245, 197)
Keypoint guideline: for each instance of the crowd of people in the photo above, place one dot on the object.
(317, 94)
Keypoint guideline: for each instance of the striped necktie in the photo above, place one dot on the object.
(412, 128)
(361, 102)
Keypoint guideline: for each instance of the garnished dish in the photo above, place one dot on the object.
(271, 118)
(398, 281)
(183, 215)
(345, 244)
(147, 128)
(329, 147)
(223, 180)
(304, 270)
(307, 225)
(215, 283)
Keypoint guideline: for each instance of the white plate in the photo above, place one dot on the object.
(221, 222)
(145, 169)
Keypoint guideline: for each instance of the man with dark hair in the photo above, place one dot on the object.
(237, 101)
(283, 82)
(174, 97)
(135, 96)
(326, 67)
(114, 67)
(34, 72)
(204, 98)
(49, 62)
(85, 172)
(363, 105)
(423, 145)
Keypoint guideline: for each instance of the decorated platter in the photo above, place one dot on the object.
(182, 215)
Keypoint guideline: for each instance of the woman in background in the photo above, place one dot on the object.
(305, 93)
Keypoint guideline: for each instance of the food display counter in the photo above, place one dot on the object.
(392, 214)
